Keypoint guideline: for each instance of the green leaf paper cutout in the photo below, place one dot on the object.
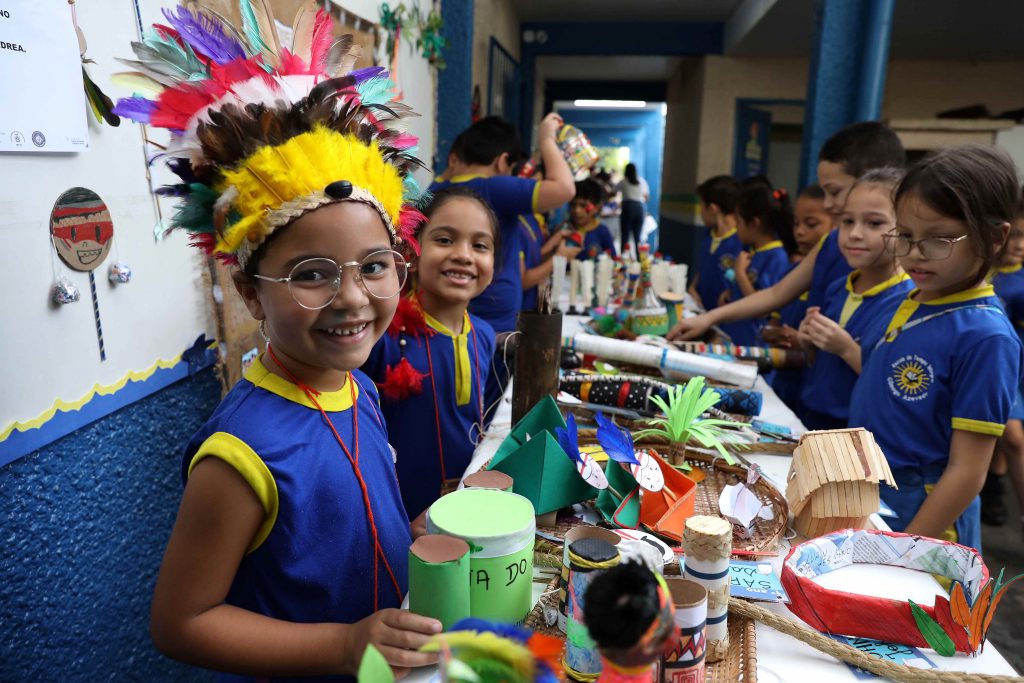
(936, 638)
(374, 668)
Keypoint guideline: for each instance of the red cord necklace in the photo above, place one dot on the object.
(378, 551)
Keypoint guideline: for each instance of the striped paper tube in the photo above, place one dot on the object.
(707, 541)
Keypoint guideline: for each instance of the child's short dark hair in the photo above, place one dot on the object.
(486, 140)
(447, 194)
(720, 190)
(620, 605)
(591, 190)
(771, 207)
(860, 147)
(975, 184)
(814, 192)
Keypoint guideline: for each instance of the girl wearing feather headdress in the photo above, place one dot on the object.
(289, 552)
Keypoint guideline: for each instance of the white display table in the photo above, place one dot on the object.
(780, 658)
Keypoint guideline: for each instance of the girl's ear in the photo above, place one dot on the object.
(1004, 234)
(248, 290)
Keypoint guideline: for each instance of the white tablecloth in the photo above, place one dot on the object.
(781, 658)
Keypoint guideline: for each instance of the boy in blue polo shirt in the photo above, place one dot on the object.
(937, 388)
(484, 158)
(584, 214)
(721, 243)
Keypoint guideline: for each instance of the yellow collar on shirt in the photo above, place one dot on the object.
(910, 305)
(854, 300)
(460, 342)
(715, 241)
(774, 244)
(1006, 270)
(332, 401)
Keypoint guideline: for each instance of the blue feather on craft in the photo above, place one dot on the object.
(375, 90)
(616, 441)
(516, 633)
(206, 35)
(568, 438)
(135, 108)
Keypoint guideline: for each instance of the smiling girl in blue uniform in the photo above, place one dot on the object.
(833, 334)
(432, 363)
(937, 387)
(761, 214)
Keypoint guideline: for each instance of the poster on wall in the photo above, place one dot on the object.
(752, 142)
(43, 108)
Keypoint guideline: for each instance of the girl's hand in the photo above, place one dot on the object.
(689, 329)
(782, 336)
(549, 126)
(397, 634)
(567, 250)
(826, 334)
(742, 263)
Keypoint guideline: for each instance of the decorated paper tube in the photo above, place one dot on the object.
(499, 528)
(439, 578)
(575, 534)
(767, 357)
(558, 264)
(708, 543)
(588, 557)
(489, 479)
(574, 283)
(684, 663)
(634, 392)
(664, 358)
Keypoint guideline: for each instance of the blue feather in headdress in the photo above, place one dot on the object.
(206, 35)
(135, 108)
(616, 441)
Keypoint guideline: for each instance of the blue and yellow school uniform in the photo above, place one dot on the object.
(717, 256)
(597, 239)
(768, 265)
(951, 363)
(532, 240)
(509, 197)
(828, 383)
(445, 417)
(1009, 285)
(312, 557)
(829, 266)
(787, 382)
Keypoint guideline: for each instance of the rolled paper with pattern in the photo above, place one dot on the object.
(575, 534)
(665, 358)
(588, 558)
(707, 542)
(439, 578)
(558, 265)
(605, 270)
(574, 282)
(684, 662)
(488, 479)
(587, 282)
(634, 392)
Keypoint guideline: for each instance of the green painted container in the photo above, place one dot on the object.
(499, 527)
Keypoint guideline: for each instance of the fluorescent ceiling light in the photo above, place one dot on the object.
(612, 104)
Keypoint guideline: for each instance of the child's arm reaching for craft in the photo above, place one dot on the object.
(218, 518)
(969, 456)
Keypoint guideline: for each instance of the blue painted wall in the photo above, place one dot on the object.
(84, 522)
(643, 131)
(455, 82)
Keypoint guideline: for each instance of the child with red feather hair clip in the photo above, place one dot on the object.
(432, 364)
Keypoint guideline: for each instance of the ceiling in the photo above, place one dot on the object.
(624, 10)
(623, 68)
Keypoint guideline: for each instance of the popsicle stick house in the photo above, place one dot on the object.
(833, 483)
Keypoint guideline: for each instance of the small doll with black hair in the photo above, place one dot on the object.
(629, 614)
(432, 364)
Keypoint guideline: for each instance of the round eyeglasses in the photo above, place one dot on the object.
(314, 283)
(930, 248)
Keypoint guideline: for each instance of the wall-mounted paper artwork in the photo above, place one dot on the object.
(81, 229)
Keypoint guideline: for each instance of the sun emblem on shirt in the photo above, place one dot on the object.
(911, 378)
(726, 262)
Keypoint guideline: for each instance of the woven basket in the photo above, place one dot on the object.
(740, 664)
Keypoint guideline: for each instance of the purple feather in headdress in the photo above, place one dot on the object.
(616, 441)
(360, 75)
(179, 190)
(135, 108)
(206, 35)
(183, 169)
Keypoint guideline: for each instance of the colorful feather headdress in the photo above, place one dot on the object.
(262, 133)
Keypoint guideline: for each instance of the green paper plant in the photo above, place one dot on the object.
(683, 421)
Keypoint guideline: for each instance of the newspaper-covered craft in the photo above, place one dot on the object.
(958, 624)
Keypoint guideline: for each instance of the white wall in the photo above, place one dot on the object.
(52, 353)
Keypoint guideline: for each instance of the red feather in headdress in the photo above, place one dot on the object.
(408, 319)
(401, 381)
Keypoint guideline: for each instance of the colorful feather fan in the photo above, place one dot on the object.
(497, 653)
(228, 92)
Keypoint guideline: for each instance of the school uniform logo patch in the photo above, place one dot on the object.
(911, 378)
(727, 261)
